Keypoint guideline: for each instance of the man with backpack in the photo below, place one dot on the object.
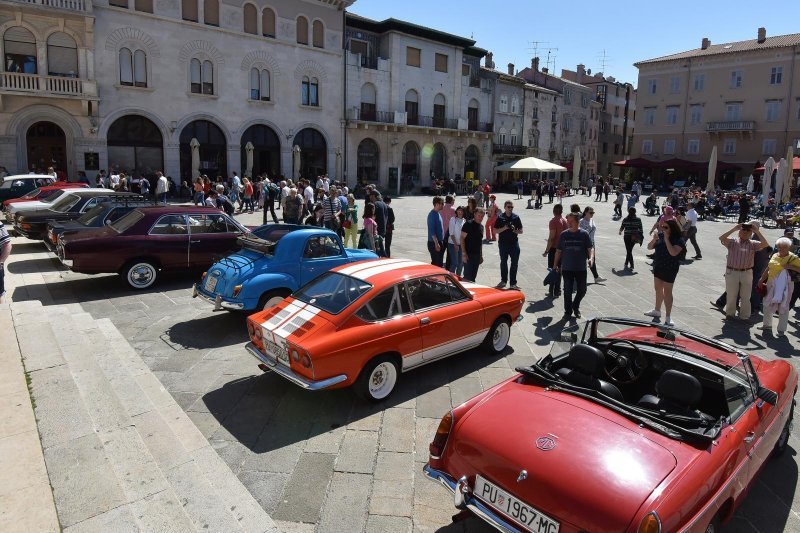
(271, 193)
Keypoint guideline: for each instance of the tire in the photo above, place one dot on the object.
(783, 439)
(497, 338)
(377, 380)
(713, 526)
(140, 274)
(272, 298)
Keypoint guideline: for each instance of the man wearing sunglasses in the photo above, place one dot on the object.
(509, 227)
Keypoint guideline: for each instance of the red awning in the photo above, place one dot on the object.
(795, 165)
(676, 163)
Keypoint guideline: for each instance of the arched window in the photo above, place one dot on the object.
(211, 12)
(135, 144)
(412, 107)
(368, 104)
(259, 84)
(195, 77)
(368, 163)
(513, 137)
(439, 161)
(439, 111)
(514, 104)
(309, 91)
(302, 30)
(189, 10)
(19, 46)
(62, 55)
(318, 34)
(140, 68)
(125, 67)
(268, 22)
(250, 14)
(132, 68)
(208, 77)
(501, 136)
(471, 160)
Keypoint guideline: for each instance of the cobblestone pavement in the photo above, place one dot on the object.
(327, 462)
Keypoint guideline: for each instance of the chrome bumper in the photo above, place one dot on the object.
(218, 302)
(289, 374)
(463, 499)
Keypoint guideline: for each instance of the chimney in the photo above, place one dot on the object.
(535, 64)
(706, 44)
(511, 69)
(488, 61)
(581, 72)
(762, 35)
(545, 70)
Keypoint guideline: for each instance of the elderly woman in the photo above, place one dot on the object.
(779, 285)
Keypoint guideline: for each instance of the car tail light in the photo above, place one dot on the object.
(436, 447)
(25, 225)
(651, 523)
(236, 290)
(256, 335)
(204, 275)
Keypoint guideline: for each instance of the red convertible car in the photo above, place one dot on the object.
(364, 323)
(636, 428)
(149, 240)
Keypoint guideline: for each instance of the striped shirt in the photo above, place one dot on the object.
(631, 226)
(741, 253)
(5, 238)
(330, 207)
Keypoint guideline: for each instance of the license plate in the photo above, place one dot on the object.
(513, 508)
(211, 283)
(277, 351)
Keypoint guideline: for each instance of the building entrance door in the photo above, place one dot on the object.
(47, 147)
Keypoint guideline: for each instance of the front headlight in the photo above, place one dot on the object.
(651, 523)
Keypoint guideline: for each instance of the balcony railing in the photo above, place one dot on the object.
(386, 117)
(436, 122)
(54, 86)
(512, 149)
(480, 126)
(81, 6)
(731, 125)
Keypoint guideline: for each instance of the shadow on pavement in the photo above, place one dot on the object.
(215, 331)
(98, 287)
(30, 266)
(624, 273)
(29, 247)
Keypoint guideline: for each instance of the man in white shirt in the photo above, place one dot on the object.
(308, 195)
(691, 233)
(326, 184)
(114, 183)
(236, 187)
(161, 187)
(284, 193)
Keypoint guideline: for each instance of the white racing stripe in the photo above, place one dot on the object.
(381, 269)
(351, 270)
(296, 322)
(283, 315)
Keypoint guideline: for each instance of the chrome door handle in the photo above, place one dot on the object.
(750, 436)
(425, 320)
(194, 242)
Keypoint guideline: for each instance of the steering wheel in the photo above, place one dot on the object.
(623, 368)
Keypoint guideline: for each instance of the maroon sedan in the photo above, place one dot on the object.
(150, 240)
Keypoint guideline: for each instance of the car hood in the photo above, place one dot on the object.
(27, 205)
(88, 235)
(600, 470)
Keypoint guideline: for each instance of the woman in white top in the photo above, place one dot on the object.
(454, 244)
(587, 224)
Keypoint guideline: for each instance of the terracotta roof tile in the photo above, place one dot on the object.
(779, 41)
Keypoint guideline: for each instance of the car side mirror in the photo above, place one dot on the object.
(108, 222)
(769, 396)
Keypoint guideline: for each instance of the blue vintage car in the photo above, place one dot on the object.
(274, 261)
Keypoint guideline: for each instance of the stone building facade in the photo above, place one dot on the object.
(416, 106)
(742, 97)
(508, 106)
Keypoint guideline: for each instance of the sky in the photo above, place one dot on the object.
(606, 37)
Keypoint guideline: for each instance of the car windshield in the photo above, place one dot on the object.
(51, 196)
(34, 193)
(126, 222)
(332, 292)
(90, 217)
(65, 203)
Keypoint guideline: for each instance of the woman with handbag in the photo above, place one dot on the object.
(350, 223)
(780, 276)
(369, 235)
(633, 234)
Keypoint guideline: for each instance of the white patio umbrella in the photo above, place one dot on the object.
(787, 177)
(576, 168)
(296, 161)
(529, 164)
(248, 148)
(750, 183)
(766, 181)
(712, 169)
(195, 147)
(780, 179)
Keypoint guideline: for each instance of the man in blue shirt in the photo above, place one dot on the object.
(574, 249)
(509, 227)
(436, 232)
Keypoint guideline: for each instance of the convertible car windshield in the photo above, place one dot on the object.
(332, 292)
(679, 383)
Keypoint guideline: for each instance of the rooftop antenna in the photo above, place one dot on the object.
(535, 46)
(603, 58)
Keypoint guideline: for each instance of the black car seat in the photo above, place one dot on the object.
(584, 366)
(677, 393)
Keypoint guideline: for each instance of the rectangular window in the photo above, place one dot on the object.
(729, 147)
(674, 84)
(616, 149)
(768, 146)
(441, 63)
(672, 114)
(413, 56)
(693, 147)
(651, 86)
(650, 115)
(736, 79)
(647, 146)
(119, 3)
(776, 76)
(699, 82)
(733, 111)
(669, 146)
(144, 5)
(773, 110)
(189, 10)
(568, 97)
(696, 114)
(465, 70)
(605, 148)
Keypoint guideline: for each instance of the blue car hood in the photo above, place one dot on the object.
(360, 255)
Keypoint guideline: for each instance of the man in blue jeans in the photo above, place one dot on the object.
(509, 227)
(436, 233)
(574, 249)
